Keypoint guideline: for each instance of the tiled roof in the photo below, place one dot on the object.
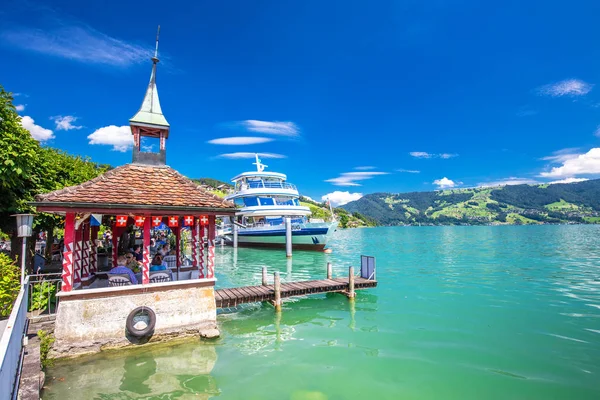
(135, 184)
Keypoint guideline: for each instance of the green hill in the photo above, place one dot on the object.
(519, 204)
(346, 219)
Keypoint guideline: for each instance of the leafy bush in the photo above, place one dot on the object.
(46, 341)
(42, 293)
(10, 284)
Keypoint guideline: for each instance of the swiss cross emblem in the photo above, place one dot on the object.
(156, 221)
(139, 221)
(188, 220)
(173, 222)
(203, 220)
(121, 220)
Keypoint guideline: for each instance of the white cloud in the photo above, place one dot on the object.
(81, 43)
(568, 87)
(408, 171)
(350, 178)
(20, 107)
(250, 155)
(444, 183)
(119, 137)
(508, 182)
(65, 122)
(285, 128)
(596, 132)
(420, 154)
(38, 133)
(365, 168)
(570, 180)
(240, 140)
(338, 198)
(583, 164)
(563, 155)
(447, 155)
(423, 154)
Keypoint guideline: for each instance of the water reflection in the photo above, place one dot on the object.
(153, 372)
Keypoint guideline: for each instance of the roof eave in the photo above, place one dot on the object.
(50, 206)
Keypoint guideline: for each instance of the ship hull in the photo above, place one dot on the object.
(308, 237)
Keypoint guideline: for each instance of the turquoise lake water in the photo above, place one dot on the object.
(506, 312)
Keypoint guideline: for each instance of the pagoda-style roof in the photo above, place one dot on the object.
(136, 187)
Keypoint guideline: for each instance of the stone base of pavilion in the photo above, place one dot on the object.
(91, 320)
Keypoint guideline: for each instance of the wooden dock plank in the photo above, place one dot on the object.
(231, 297)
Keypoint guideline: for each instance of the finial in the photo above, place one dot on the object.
(155, 58)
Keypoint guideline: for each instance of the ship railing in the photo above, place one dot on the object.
(271, 185)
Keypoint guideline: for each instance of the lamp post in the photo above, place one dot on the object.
(24, 230)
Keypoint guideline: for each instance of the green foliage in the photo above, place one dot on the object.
(344, 221)
(520, 204)
(10, 284)
(46, 342)
(42, 293)
(214, 183)
(27, 169)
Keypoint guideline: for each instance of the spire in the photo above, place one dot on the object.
(150, 114)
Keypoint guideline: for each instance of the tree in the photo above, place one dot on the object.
(27, 169)
(19, 162)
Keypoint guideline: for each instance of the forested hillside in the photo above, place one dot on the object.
(519, 204)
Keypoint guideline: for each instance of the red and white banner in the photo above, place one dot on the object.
(139, 220)
(173, 222)
(156, 221)
(121, 220)
(188, 220)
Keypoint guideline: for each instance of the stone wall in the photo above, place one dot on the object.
(94, 319)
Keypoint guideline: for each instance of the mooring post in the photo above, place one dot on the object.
(329, 274)
(277, 288)
(264, 278)
(288, 237)
(235, 235)
(351, 294)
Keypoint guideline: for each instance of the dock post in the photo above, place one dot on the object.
(351, 294)
(264, 276)
(235, 236)
(288, 237)
(329, 274)
(277, 288)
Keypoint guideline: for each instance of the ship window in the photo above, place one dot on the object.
(250, 201)
(266, 201)
(239, 202)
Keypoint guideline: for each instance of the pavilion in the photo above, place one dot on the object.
(145, 193)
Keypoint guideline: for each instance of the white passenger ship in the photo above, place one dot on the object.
(265, 199)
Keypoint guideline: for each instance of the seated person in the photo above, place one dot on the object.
(132, 263)
(122, 269)
(137, 252)
(164, 250)
(157, 264)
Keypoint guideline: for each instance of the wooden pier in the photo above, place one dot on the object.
(250, 294)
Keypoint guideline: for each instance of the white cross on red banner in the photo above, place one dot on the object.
(139, 221)
(173, 222)
(121, 220)
(204, 220)
(156, 221)
(188, 220)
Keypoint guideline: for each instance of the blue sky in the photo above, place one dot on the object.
(351, 97)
